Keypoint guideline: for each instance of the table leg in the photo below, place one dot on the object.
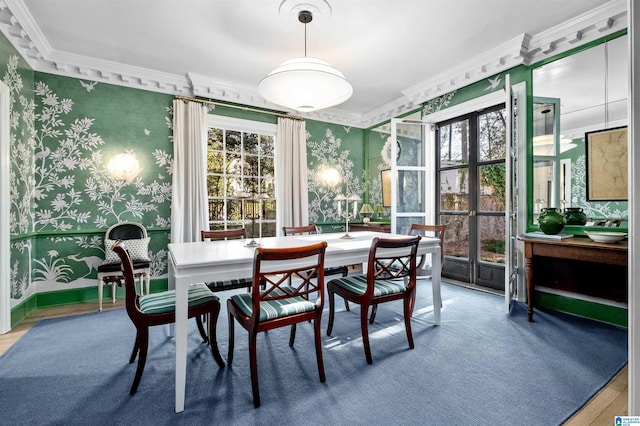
(435, 284)
(182, 289)
(528, 261)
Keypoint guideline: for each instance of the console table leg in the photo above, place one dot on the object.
(529, 273)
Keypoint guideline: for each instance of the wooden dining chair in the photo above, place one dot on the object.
(109, 272)
(424, 231)
(276, 301)
(222, 285)
(228, 234)
(391, 275)
(159, 308)
(312, 230)
(427, 231)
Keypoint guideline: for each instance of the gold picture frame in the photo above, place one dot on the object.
(385, 176)
(606, 163)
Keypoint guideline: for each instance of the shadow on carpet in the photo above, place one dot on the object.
(482, 366)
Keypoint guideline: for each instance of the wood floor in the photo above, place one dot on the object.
(611, 401)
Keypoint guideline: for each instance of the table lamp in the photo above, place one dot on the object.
(366, 210)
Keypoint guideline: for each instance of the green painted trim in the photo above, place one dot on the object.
(583, 308)
(71, 297)
(22, 237)
(22, 311)
(365, 154)
(150, 231)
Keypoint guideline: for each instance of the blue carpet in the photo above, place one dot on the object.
(482, 366)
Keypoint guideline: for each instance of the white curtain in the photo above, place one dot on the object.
(291, 174)
(189, 208)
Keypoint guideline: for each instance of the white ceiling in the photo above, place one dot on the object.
(396, 54)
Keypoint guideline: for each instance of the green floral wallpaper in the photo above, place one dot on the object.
(341, 148)
(593, 209)
(64, 132)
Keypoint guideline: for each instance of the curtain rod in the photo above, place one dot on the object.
(244, 108)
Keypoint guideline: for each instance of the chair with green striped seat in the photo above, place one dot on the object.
(222, 285)
(391, 275)
(159, 309)
(424, 231)
(276, 301)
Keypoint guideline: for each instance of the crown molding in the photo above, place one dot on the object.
(599, 22)
(17, 24)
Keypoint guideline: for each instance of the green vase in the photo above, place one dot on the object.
(575, 216)
(551, 221)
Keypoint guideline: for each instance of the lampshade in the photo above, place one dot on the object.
(366, 209)
(379, 209)
(305, 84)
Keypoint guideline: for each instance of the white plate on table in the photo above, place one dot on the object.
(605, 237)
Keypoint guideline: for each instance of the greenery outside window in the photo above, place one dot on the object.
(240, 159)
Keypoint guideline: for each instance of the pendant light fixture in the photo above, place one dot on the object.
(305, 84)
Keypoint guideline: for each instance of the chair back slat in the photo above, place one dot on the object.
(392, 258)
(271, 276)
(228, 234)
(427, 231)
(126, 231)
(300, 230)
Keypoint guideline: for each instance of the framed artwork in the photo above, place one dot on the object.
(606, 163)
(385, 175)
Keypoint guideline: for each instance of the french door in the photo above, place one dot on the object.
(471, 175)
(410, 175)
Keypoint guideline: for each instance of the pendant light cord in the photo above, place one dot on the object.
(305, 17)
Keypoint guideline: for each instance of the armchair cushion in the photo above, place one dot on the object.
(357, 284)
(165, 301)
(138, 249)
(272, 309)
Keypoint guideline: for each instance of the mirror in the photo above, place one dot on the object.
(572, 96)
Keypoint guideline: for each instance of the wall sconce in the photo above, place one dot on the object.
(331, 177)
(124, 167)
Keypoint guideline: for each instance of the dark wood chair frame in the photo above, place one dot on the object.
(382, 265)
(266, 287)
(110, 273)
(227, 234)
(422, 230)
(142, 321)
(312, 230)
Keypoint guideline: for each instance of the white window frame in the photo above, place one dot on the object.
(245, 126)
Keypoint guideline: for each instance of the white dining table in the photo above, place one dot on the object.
(196, 262)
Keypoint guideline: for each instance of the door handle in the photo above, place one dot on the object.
(472, 213)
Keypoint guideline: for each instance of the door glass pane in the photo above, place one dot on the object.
(454, 190)
(456, 235)
(454, 144)
(411, 150)
(411, 190)
(542, 185)
(492, 232)
(491, 136)
(492, 187)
